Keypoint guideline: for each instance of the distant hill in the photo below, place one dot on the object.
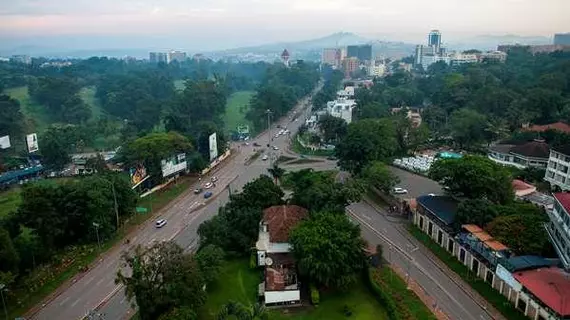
(490, 42)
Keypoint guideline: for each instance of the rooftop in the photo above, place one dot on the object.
(560, 126)
(550, 285)
(522, 188)
(564, 199)
(521, 263)
(443, 207)
(484, 237)
(534, 149)
(280, 221)
(564, 149)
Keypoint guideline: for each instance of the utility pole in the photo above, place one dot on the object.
(269, 112)
(96, 225)
(116, 207)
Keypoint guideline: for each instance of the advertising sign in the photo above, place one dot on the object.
(5, 142)
(32, 141)
(174, 165)
(213, 146)
(506, 276)
(138, 175)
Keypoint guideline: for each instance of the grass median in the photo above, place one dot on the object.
(493, 296)
(44, 280)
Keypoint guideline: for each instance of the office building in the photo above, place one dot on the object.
(530, 154)
(157, 57)
(418, 54)
(377, 70)
(428, 60)
(497, 56)
(331, 56)
(462, 58)
(562, 39)
(341, 108)
(178, 56)
(350, 65)
(362, 52)
(557, 170)
(558, 228)
(434, 39)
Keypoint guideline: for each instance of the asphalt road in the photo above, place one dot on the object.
(95, 289)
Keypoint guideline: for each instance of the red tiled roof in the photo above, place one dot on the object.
(484, 237)
(281, 219)
(564, 199)
(560, 126)
(550, 285)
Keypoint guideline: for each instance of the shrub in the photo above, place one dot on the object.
(381, 296)
(315, 296)
(253, 260)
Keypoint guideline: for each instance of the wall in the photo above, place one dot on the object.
(282, 296)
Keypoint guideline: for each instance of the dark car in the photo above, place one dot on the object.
(255, 144)
(197, 190)
(207, 194)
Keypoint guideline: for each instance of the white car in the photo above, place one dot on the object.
(160, 223)
(399, 190)
(275, 148)
(265, 157)
(208, 185)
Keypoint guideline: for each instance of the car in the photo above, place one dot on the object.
(207, 194)
(398, 190)
(265, 157)
(431, 194)
(286, 131)
(275, 148)
(276, 135)
(160, 223)
(208, 185)
(255, 144)
(197, 190)
(214, 179)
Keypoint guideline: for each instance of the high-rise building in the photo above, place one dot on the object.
(362, 52)
(331, 56)
(418, 55)
(176, 56)
(562, 39)
(285, 57)
(434, 39)
(352, 51)
(350, 65)
(156, 57)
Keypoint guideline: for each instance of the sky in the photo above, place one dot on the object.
(218, 24)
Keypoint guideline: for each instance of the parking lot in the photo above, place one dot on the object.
(415, 184)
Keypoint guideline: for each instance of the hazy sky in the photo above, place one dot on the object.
(226, 23)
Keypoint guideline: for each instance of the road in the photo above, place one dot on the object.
(96, 289)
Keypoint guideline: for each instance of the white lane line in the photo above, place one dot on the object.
(124, 299)
(366, 217)
(99, 282)
(63, 302)
(89, 280)
(75, 302)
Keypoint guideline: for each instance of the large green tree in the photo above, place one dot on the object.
(378, 175)
(11, 120)
(468, 127)
(474, 177)
(332, 128)
(328, 249)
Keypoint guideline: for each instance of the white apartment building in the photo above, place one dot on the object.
(557, 172)
(428, 60)
(558, 228)
(341, 108)
(462, 58)
(176, 56)
(346, 93)
(377, 71)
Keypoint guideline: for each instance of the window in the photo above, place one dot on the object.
(450, 245)
(422, 223)
(489, 276)
(430, 228)
(522, 305)
(462, 256)
(440, 237)
(475, 266)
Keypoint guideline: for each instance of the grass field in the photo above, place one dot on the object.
(87, 94)
(236, 107)
(238, 282)
(37, 116)
(9, 202)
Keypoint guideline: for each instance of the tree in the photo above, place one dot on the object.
(333, 128)
(366, 140)
(522, 233)
(378, 175)
(210, 259)
(162, 278)
(9, 258)
(474, 177)
(182, 313)
(28, 246)
(475, 211)
(468, 127)
(328, 249)
(276, 172)
(11, 119)
(241, 312)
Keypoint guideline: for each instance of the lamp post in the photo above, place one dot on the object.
(96, 225)
(2, 288)
(115, 201)
(410, 261)
(269, 112)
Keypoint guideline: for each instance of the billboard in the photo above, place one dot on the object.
(138, 175)
(32, 141)
(213, 146)
(5, 142)
(174, 165)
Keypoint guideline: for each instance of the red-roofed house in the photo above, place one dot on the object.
(560, 126)
(558, 228)
(550, 285)
(273, 252)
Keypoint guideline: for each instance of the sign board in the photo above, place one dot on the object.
(243, 130)
(213, 146)
(506, 276)
(32, 141)
(174, 165)
(138, 174)
(5, 142)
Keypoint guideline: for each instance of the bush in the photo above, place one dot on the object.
(315, 296)
(381, 296)
(253, 260)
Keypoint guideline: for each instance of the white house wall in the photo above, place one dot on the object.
(282, 296)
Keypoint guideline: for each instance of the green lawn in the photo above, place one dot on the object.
(238, 282)
(236, 107)
(37, 115)
(9, 201)
(87, 94)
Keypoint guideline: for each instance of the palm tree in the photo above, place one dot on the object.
(241, 312)
(276, 172)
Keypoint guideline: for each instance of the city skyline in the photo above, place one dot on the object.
(256, 22)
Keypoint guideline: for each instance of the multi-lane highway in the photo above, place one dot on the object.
(96, 289)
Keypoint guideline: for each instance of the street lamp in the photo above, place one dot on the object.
(96, 225)
(410, 261)
(269, 112)
(2, 288)
(115, 201)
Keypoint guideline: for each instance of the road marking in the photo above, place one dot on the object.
(99, 282)
(75, 302)
(63, 302)
(89, 281)
(367, 217)
(124, 299)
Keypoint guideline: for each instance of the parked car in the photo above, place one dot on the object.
(398, 190)
(214, 179)
(160, 223)
(197, 190)
(265, 157)
(275, 148)
(208, 185)
(255, 144)
(207, 194)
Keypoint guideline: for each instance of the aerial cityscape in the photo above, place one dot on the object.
(190, 161)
